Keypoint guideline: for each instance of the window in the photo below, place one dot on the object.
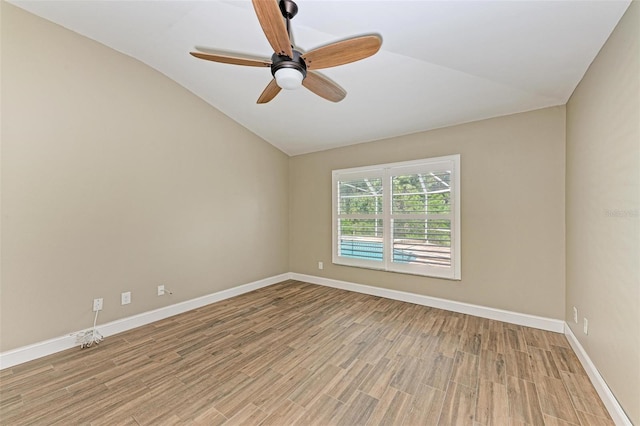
(400, 217)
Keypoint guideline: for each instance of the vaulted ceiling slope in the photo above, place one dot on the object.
(441, 63)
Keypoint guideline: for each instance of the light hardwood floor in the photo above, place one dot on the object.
(297, 353)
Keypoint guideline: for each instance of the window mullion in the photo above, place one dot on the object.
(386, 219)
(422, 216)
(358, 216)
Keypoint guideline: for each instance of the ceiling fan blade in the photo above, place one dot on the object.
(342, 52)
(323, 87)
(273, 26)
(225, 59)
(269, 92)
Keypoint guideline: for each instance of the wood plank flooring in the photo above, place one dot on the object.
(296, 353)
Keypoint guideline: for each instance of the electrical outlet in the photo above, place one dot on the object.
(585, 326)
(97, 304)
(125, 298)
(575, 314)
(161, 290)
(320, 265)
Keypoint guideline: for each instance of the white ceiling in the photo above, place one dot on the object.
(441, 62)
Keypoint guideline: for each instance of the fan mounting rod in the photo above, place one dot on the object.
(289, 9)
(289, 72)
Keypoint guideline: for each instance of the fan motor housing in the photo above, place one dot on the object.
(297, 63)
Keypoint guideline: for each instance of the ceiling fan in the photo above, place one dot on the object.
(292, 68)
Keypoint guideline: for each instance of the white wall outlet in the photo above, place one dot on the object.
(320, 265)
(161, 290)
(97, 304)
(575, 314)
(585, 326)
(125, 298)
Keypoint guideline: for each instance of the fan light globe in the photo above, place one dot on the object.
(289, 78)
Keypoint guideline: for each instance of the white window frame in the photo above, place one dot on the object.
(386, 171)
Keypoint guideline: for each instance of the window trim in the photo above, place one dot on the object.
(452, 162)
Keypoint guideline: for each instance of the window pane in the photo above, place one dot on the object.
(423, 242)
(400, 217)
(360, 238)
(421, 193)
(362, 196)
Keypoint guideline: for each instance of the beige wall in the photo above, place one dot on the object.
(603, 211)
(512, 211)
(114, 178)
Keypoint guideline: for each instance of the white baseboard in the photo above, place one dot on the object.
(542, 323)
(48, 347)
(613, 406)
(51, 346)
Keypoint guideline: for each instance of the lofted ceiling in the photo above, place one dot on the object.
(441, 62)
